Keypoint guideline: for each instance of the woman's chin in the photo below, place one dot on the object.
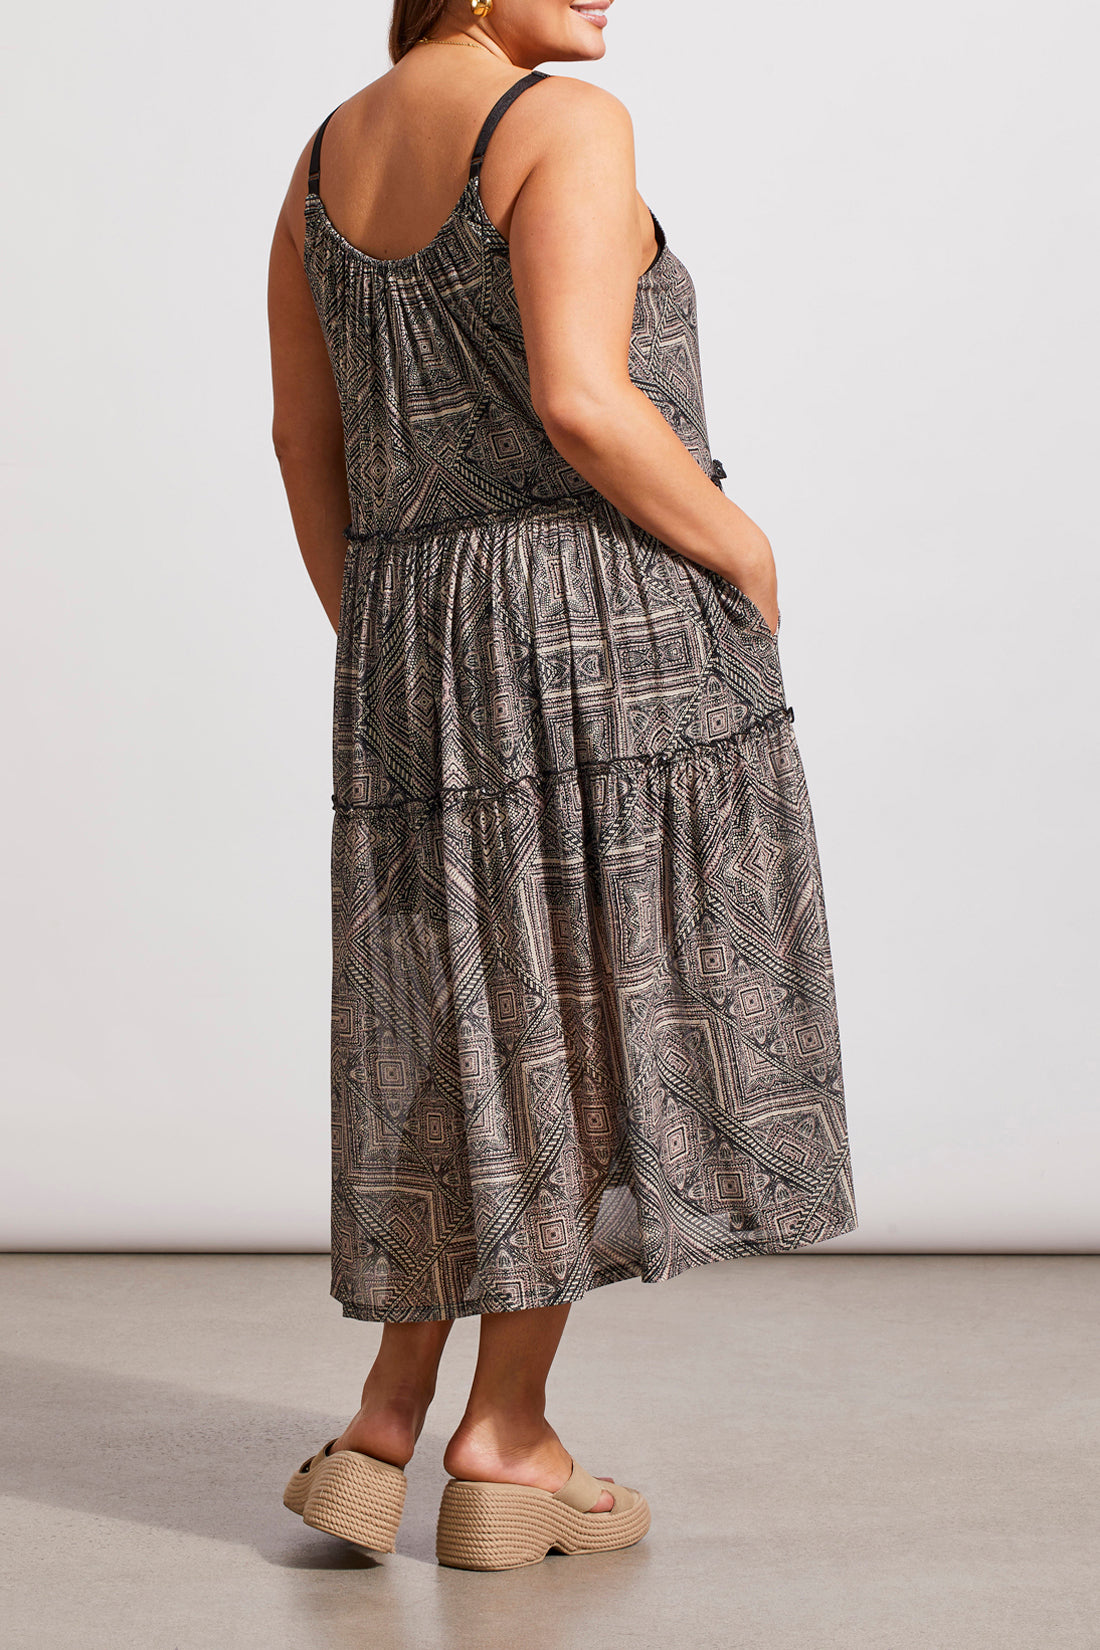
(586, 51)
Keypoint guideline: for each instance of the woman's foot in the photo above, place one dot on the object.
(489, 1450)
(387, 1431)
(397, 1393)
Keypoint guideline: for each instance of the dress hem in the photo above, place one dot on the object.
(562, 1297)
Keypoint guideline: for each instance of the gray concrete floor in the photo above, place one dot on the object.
(897, 1453)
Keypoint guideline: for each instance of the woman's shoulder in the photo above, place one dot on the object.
(566, 111)
(566, 94)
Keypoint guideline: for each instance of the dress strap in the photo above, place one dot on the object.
(502, 103)
(315, 157)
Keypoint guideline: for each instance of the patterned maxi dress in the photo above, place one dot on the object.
(584, 1025)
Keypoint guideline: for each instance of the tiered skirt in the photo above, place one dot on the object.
(584, 1021)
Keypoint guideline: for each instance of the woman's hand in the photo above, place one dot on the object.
(757, 580)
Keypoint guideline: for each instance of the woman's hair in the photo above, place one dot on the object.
(411, 19)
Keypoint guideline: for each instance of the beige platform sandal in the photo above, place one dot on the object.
(485, 1526)
(351, 1495)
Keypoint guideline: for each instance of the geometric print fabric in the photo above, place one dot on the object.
(584, 1022)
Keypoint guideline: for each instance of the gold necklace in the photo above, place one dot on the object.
(426, 40)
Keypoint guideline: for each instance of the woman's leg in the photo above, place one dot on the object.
(397, 1392)
(504, 1436)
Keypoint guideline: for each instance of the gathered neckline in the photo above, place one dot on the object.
(412, 259)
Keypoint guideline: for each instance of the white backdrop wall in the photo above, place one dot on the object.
(891, 223)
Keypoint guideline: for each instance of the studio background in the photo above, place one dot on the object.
(892, 225)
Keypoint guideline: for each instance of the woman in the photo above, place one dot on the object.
(584, 1024)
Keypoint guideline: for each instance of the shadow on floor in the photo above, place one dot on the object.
(166, 1456)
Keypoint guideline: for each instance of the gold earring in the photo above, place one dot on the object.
(481, 8)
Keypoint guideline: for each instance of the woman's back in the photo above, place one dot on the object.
(397, 153)
(427, 347)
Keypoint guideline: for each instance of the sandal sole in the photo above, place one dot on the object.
(352, 1496)
(508, 1526)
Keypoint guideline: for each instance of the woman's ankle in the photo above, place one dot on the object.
(387, 1432)
(500, 1444)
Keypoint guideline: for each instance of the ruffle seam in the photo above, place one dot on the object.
(664, 758)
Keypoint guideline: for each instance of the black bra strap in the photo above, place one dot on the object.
(495, 113)
(315, 157)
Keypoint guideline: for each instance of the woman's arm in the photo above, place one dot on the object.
(307, 429)
(576, 248)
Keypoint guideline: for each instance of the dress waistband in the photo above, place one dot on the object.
(570, 502)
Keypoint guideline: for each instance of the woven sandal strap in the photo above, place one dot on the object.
(580, 1490)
